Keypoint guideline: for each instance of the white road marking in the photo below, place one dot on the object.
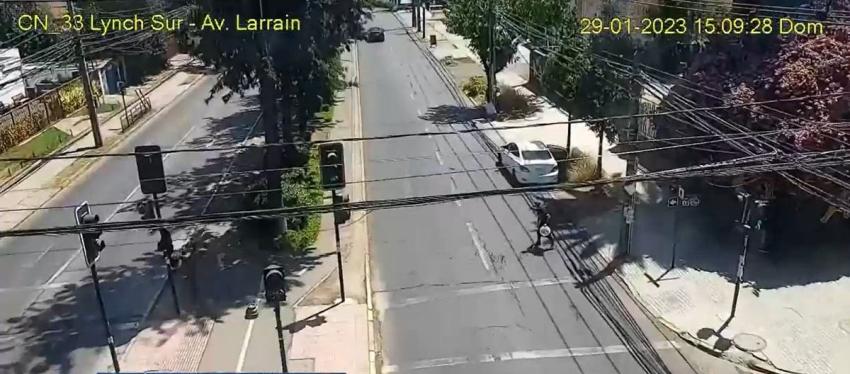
(36, 288)
(520, 355)
(301, 272)
(454, 190)
(37, 259)
(479, 290)
(439, 159)
(244, 350)
(479, 246)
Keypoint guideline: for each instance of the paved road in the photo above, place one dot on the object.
(48, 318)
(443, 272)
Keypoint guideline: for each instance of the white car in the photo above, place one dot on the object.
(529, 162)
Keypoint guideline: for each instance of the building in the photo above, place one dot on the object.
(12, 88)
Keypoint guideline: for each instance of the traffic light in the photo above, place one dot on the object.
(341, 216)
(332, 165)
(274, 284)
(92, 244)
(166, 246)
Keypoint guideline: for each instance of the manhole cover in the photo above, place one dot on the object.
(749, 342)
(845, 325)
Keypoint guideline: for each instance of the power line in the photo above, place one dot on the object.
(679, 173)
(801, 184)
(430, 133)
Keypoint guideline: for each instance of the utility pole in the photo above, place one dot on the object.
(744, 197)
(84, 77)
(414, 5)
(424, 18)
(491, 78)
(631, 162)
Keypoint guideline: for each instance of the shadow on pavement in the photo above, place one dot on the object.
(451, 114)
(223, 273)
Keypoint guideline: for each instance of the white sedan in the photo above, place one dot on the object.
(529, 162)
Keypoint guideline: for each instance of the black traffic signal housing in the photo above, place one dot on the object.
(92, 244)
(332, 165)
(166, 246)
(274, 284)
(341, 215)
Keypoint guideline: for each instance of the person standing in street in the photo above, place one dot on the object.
(543, 228)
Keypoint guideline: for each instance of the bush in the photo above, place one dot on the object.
(300, 188)
(514, 104)
(72, 96)
(582, 167)
(476, 89)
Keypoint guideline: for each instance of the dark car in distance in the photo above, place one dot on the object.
(374, 34)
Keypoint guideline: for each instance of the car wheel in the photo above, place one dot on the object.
(513, 174)
(499, 159)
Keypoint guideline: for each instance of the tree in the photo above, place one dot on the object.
(292, 68)
(469, 18)
(11, 36)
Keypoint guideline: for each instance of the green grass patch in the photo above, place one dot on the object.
(41, 145)
(300, 188)
(327, 115)
(108, 107)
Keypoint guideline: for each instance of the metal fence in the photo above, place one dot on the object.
(29, 118)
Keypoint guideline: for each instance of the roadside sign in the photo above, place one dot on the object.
(673, 202)
(691, 201)
(629, 214)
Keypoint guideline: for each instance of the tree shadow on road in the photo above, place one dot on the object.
(452, 114)
(223, 273)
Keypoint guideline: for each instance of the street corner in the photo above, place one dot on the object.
(334, 337)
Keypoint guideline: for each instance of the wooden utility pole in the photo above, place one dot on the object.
(84, 77)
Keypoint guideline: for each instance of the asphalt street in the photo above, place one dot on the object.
(49, 321)
(454, 290)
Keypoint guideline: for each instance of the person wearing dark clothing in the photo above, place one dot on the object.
(542, 220)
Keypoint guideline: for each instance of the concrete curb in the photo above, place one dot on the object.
(753, 363)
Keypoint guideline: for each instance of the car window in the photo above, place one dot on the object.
(536, 155)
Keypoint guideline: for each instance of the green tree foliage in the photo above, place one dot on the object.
(297, 71)
(469, 18)
(11, 36)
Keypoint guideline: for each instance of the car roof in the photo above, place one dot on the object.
(534, 145)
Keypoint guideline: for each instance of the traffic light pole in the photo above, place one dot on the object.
(109, 339)
(86, 80)
(280, 341)
(168, 265)
(338, 251)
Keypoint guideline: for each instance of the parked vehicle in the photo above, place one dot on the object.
(374, 34)
(529, 162)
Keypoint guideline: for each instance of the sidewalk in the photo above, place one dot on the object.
(516, 75)
(792, 313)
(43, 183)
